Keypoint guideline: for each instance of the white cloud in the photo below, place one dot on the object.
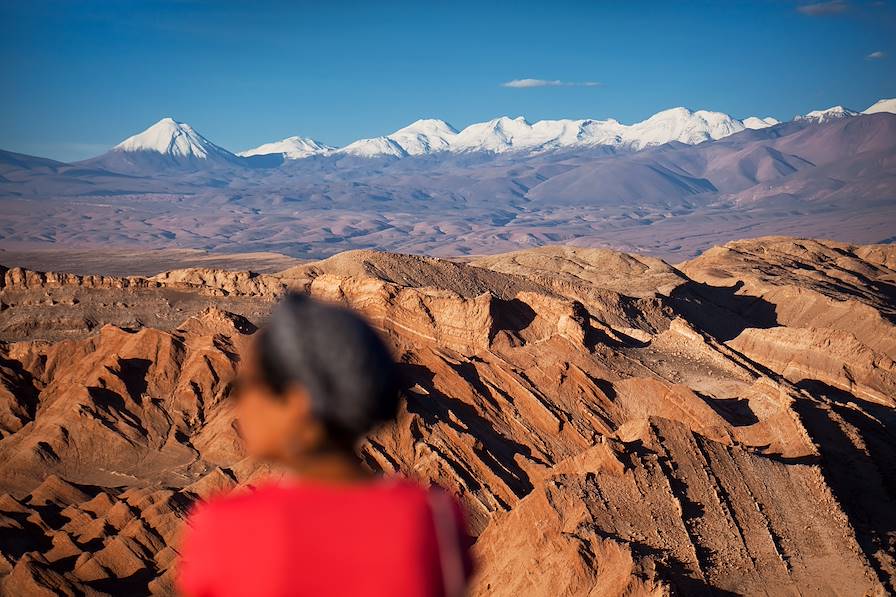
(824, 8)
(878, 55)
(529, 83)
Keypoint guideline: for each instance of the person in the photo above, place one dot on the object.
(318, 378)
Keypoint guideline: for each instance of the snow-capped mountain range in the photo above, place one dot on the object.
(175, 140)
(517, 134)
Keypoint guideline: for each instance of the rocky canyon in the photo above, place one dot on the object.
(613, 424)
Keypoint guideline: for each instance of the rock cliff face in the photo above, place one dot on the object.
(614, 425)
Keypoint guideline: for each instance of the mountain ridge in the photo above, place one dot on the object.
(179, 142)
(833, 179)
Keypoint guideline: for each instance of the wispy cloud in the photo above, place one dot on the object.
(878, 55)
(530, 83)
(823, 8)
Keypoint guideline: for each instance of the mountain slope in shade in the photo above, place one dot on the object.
(10, 160)
(291, 148)
(884, 105)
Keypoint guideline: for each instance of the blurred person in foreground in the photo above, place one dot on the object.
(316, 380)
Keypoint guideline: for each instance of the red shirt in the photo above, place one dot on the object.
(389, 538)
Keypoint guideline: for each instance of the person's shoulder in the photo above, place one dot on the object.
(211, 537)
(235, 503)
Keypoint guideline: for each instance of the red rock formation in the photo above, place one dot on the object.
(614, 425)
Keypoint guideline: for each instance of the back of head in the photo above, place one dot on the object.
(337, 357)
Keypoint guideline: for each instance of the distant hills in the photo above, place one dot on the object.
(671, 186)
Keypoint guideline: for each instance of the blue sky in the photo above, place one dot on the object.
(81, 76)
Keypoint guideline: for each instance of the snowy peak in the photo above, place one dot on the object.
(497, 135)
(755, 122)
(174, 139)
(820, 116)
(427, 126)
(884, 105)
(680, 124)
(291, 148)
(425, 136)
(376, 147)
